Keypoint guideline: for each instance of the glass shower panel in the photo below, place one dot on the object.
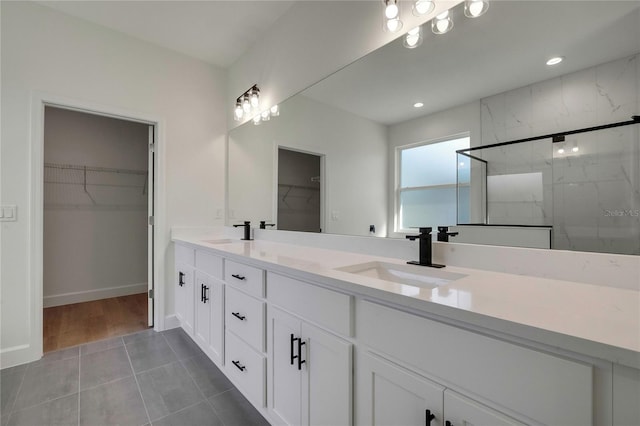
(471, 189)
(596, 190)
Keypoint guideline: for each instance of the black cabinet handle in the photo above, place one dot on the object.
(202, 292)
(205, 297)
(301, 361)
(293, 340)
(428, 417)
(237, 315)
(239, 277)
(180, 279)
(448, 423)
(238, 365)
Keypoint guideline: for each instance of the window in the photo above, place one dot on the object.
(426, 190)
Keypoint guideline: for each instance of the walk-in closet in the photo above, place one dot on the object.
(97, 195)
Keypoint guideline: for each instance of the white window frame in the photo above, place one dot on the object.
(398, 172)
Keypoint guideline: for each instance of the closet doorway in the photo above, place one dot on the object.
(98, 231)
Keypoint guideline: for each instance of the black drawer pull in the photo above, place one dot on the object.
(293, 341)
(428, 417)
(204, 295)
(238, 365)
(301, 361)
(239, 277)
(180, 279)
(237, 315)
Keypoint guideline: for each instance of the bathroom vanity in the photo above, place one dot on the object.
(316, 336)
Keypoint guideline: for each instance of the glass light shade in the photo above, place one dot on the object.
(256, 119)
(413, 38)
(266, 115)
(423, 7)
(275, 111)
(255, 99)
(391, 9)
(475, 8)
(246, 104)
(442, 23)
(238, 112)
(393, 25)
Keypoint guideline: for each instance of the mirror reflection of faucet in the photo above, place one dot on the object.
(247, 230)
(444, 234)
(424, 239)
(264, 224)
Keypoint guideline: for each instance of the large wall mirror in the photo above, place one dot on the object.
(485, 82)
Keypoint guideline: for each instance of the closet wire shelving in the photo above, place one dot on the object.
(82, 187)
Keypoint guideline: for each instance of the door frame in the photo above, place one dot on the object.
(36, 206)
(323, 182)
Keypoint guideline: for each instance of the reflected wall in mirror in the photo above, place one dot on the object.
(487, 78)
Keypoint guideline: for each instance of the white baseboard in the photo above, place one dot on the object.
(171, 321)
(89, 295)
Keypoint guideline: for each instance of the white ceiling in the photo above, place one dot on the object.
(504, 49)
(217, 32)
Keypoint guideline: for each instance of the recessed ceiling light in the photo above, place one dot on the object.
(555, 60)
(418, 105)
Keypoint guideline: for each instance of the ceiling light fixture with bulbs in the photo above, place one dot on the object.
(249, 102)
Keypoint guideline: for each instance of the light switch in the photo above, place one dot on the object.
(8, 213)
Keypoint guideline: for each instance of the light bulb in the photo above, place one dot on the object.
(266, 115)
(255, 99)
(422, 7)
(561, 151)
(442, 23)
(394, 25)
(246, 105)
(256, 119)
(238, 112)
(391, 11)
(275, 111)
(413, 38)
(475, 8)
(575, 149)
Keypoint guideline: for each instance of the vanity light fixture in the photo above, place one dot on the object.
(423, 7)
(245, 103)
(555, 60)
(266, 115)
(442, 23)
(413, 38)
(256, 119)
(275, 111)
(475, 8)
(418, 105)
(392, 16)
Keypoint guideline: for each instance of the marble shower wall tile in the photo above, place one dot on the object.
(617, 86)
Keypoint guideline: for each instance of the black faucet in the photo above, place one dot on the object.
(264, 224)
(444, 234)
(425, 248)
(247, 230)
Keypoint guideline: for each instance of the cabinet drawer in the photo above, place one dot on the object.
(246, 368)
(245, 316)
(209, 263)
(184, 255)
(547, 388)
(316, 304)
(245, 277)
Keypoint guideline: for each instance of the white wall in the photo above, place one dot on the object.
(354, 150)
(46, 51)
(95, 245)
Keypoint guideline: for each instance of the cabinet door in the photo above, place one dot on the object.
(184, 296)
(284, 377)
(462, 411)
(216, 342)
(328, 365)
(202, 302)
(388, 394)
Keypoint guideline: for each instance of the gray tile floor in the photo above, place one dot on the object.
(146, 378)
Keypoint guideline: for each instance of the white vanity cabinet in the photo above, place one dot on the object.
(389, 394)
(209, 306)
(309, 369)
(184, 286)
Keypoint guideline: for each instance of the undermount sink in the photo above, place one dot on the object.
(418, 276)
(221, 241)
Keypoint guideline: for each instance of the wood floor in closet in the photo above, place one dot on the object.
(71, 325)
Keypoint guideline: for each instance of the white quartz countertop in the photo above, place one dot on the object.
(599, 321)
